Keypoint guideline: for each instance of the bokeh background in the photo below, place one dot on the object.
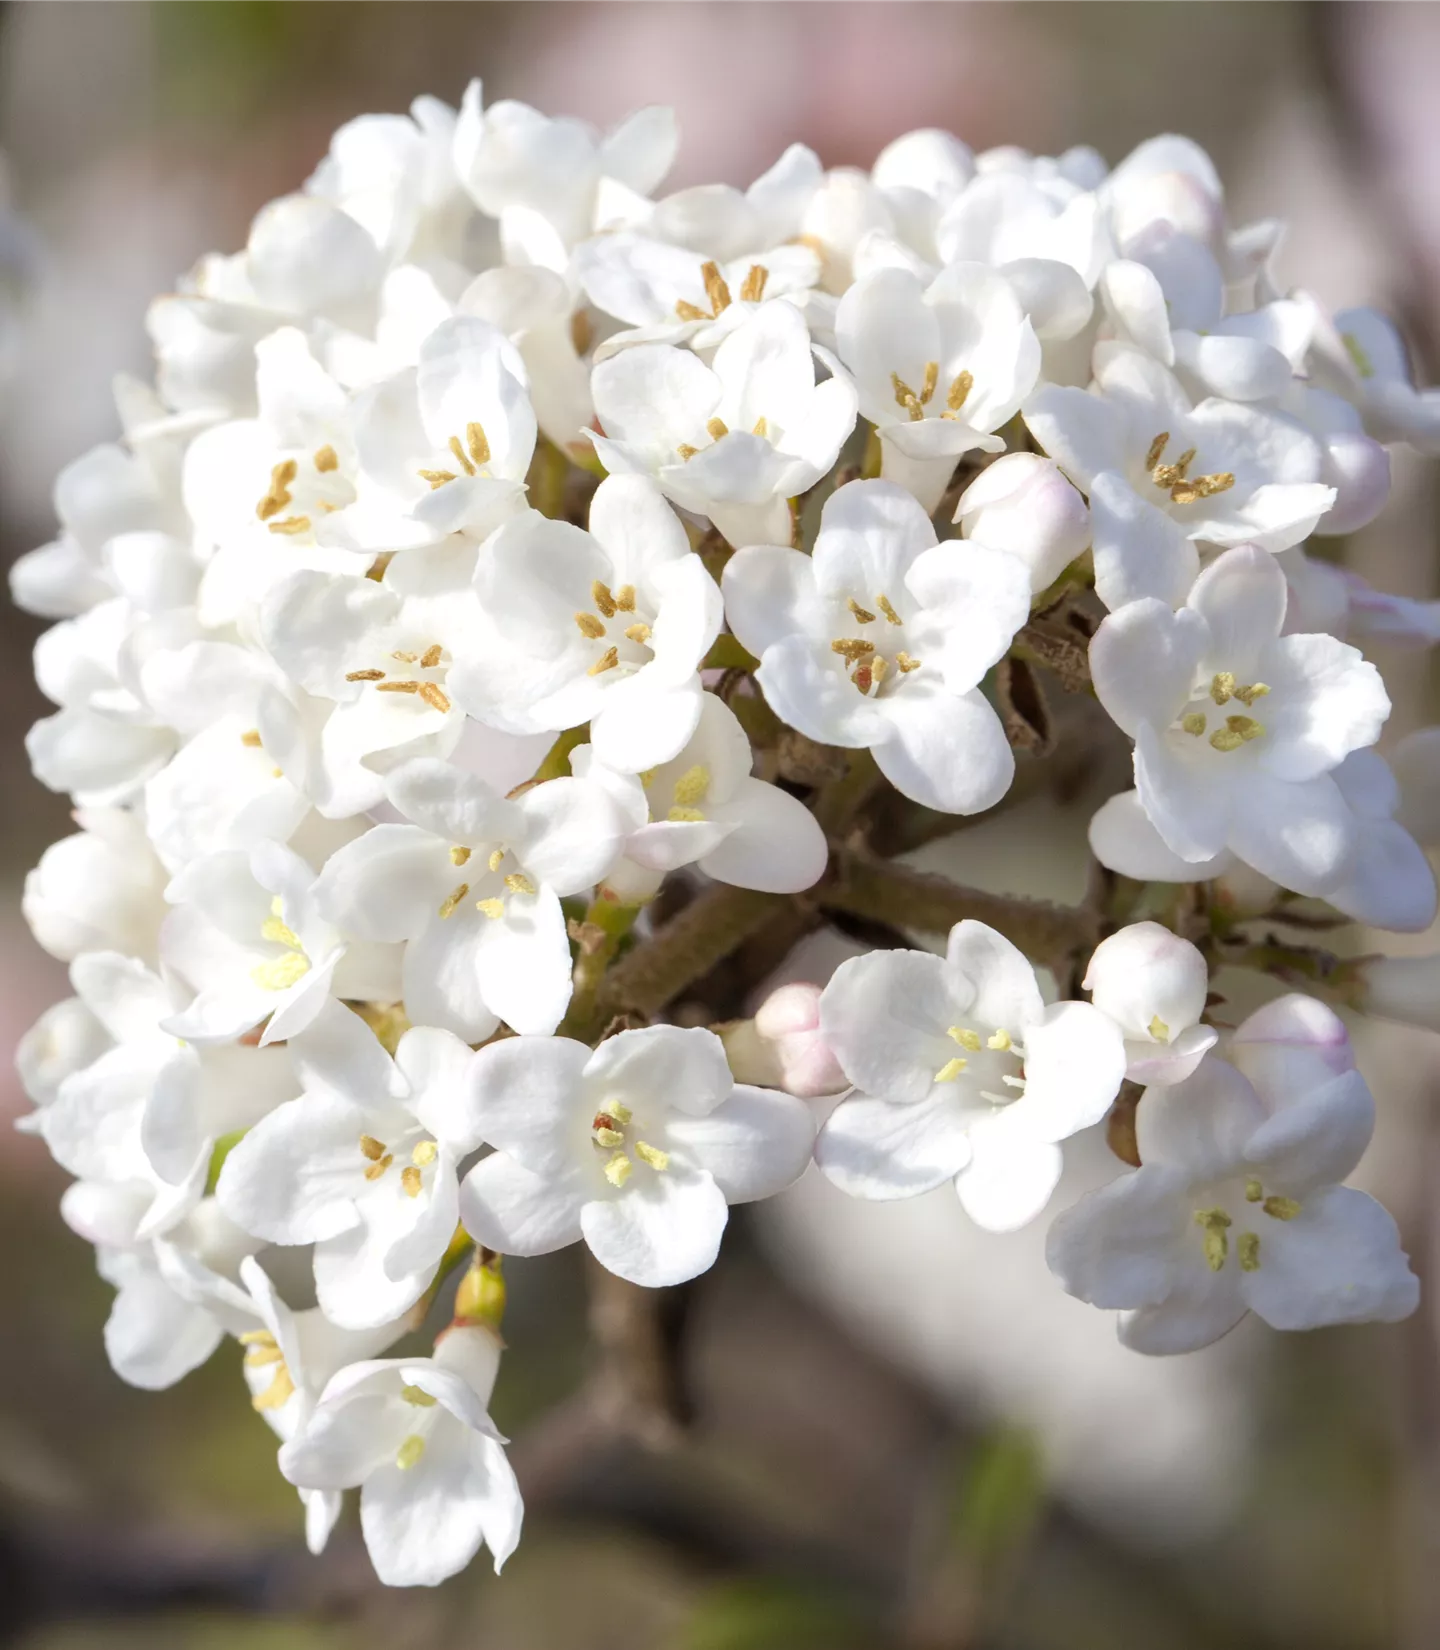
(903, 1437)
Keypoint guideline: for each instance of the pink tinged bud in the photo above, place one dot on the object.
(788, 1009)
(1402, 988)
(1022, 503)
(1292, 1046)
(1358, 468)
(1149, 981)
(782, 1046)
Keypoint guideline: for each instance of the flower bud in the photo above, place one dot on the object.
(1177, 198)
(1292, 1045)
(1023, 504)
(1153, 985)
(782, 1047)
(1402, 988)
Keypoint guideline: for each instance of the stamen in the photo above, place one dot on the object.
(864, 677)
(364, 675)
(1194, 724)
(609, 1138)
(752, 288)
(686, 451)
(411, 1181)
(436, 478)
(760, 427)
(372, 1148)
(279, 495)
(477, 442)
(326, 459)
(607, 661)
(1013, 1082)
(431, 656)
(259, 1356)
(965, 1037)
(424, 1153)
(951, 1069)
(621, 1113)
(1222, 686)
(1214, 1223)
(497, 858)
(410, 1452)
(397, 687)
(861, 615)
(1226, 739)
(928, 383)
(906, 663)
(251, 737)
(280, 973)
(883, 603)
(1157, 448)
(377, 1169)
(692, 785)
(625, 598)
(1248, 695)
(658, 1160)
(1247, 1246)
(459, 856)
(1246, 726)
(618, 1169)
(879, 665)
(493, 908)
(1158, 1029)
(715, 288)
(1281, 1208)
(447, 906)
(716, 428)
(638, 633)
(1000, 1040)
(435, 696)
(291, 526)
(907, 398)
(280, 1391)
(590, 626)
(275, 929)
(685, 816)
(851, 647)
(686, 311)
(960, 387)
(518, 883)
(600, 595)
(405, 658)
(418, 1396)
(462, 455)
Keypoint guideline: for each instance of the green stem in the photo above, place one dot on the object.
(1338, 978)
(726, 653)
(836, 804)
(556, 762)
(614, 920)
(546, 481)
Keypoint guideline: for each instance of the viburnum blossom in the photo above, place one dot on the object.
(517, 616)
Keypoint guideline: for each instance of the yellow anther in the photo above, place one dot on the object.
(518, 883)
(406, 658)
(862, 616)
(760, 427)
(326, 459)
(364, 675)
(424, 1153)
(377, 1169)
(715, 288)
(1216, 1243)
(435, 697)
(431, 656)
(436, 478)
(960, 387)
(397, 687)
(459, 856)
(951, 1069)
(883, 603)
(451, 900)
(1247, 1246)
(1000, 1040)
(279, 495)
(1226, 739)
(256, 1337)
(1222, 686)
(1246, 726)
(461, 455)
(607, 661)
(965, 1037)
(251, 737)
(600, 595)
(492, 908)
(906, 397)
(637, 633)
(685, 816)
(1157, 448)
(280, 973)
(496, 859)
(1194, 724)
(879, 666)
(280, 1391)
(259, 1357)
(686, 311)
(851, 647)
(609, 1138)
(625, 598)
(291, 526)
(618, 1169)
(411, 1181)
(930, 380)
(371, 1147)
(658, 1160)
(477, 442)
(693, 785)
(646, 777)
(620, 1112)
(418, 1396)
(686, 451)
(716, 428)
(410, 1452)
(589, 625)
(752, 288)
(1158, 1029)
(274, 929)
(1281, 1208)
(906, 663)
(1254, 1191)
(1248, 695)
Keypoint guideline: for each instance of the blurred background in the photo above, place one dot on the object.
(903, 1435)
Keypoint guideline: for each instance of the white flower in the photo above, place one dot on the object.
(636, 1146)
(880, 639)
(1236, 727)
(98, 890)
(1351, 462)
(704, 807)
(961, 1074)
(1362, 356)
(1007, 216)
(608, 627)
(1237, 1206)
(735, 441)
(362, 1165)
(1326, 597)
(248, 939)
(1153, 985)
(472, 885)
(938, 369)
(1023, 504)
(415, 1436)
(1161, 475)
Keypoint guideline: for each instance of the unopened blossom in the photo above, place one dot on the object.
(736, 440)
(637, 1147)
(1153, 985)
(1023, 504)
(783, 1046)
(471, 885)
(1163, 475)
(880, 639)
(1324, 596)
(98, 890)
(1237, 728)
(938, 368)
(363, 1164)
(607, 627)
(1362, 355)
(704, 807)
(1238, 1206)
(415, 1437)
(961, 1073)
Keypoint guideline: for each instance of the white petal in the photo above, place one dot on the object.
(880, 1150)
(776, 845)
(1008, 1181)
(946, 751)
(753, 1145)
(662, 1229)
(680, 1069)
(527, 1099)
(294, 1176)
(516, 1212)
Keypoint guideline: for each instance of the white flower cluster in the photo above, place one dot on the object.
(385, 724)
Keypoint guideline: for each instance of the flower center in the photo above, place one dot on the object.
(379, 1159)
(607, 1134)
(691, 789)
(618, 624)
(866, 666)
(473, 456)
(320, 488)
(717, 292)
(262, 1350)
(914, 405)
(427, 670)
(1232, 731)
(990, 1052)
(1215, 1224)
(1175, 479)
(280, 973)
